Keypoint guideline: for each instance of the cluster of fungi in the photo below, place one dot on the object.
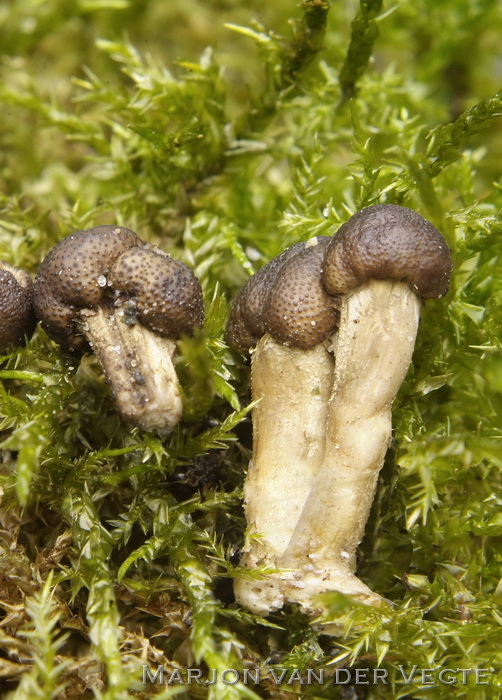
(330, 325)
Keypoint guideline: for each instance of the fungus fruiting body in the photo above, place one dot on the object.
(104, 288)
(17, 319)
(338, 319)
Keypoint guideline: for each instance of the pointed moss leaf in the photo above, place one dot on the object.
(147, 552)
(258, 37)
(152, 135)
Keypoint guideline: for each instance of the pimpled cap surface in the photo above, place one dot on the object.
(387, 241)
(81, 272)
(166, 293)
(294, 296)
(16, 306)
(286, 299)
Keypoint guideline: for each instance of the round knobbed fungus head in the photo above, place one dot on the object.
(74, 275)
(386, 241)
(16, 306)
(247, 319)
(286, 299)
(164, 293)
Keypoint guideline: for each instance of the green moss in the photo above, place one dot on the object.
(117, 547)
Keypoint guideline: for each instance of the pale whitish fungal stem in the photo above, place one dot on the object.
(138, 366)
(373, 350)
(293, 388)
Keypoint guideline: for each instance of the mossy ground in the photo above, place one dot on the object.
(224, 131)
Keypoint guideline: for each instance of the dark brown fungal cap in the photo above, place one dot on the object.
(386, 241)
(247, 319)
(16, 306)
(71, 277)
(166, 294)
(80, 273)
(286, 299)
